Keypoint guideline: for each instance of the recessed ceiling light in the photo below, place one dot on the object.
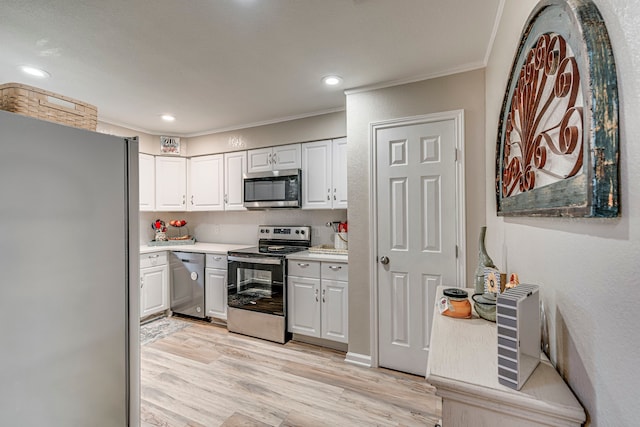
(35, 72)
(168, 118)
(332, 80)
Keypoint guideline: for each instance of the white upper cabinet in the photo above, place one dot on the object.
(324, 174)
(274, 158)
(235, 166)
(146, 170)
(206, 183)
(339, 173)
(171, 183)
(286, 157)
(260, 160)
(316, 175)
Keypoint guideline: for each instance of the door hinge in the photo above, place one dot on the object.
(456, 251)
(456, 151)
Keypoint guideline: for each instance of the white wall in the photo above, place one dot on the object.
(314, 128)
(588, 269)
(147, 143)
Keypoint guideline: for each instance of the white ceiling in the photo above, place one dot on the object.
(224, 64)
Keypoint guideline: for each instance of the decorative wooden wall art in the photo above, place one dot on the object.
(557, 148)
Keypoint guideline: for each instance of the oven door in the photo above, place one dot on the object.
(257, 284)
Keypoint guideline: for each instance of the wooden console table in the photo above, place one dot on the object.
(463, 366)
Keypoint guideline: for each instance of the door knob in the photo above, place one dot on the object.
(384, 260)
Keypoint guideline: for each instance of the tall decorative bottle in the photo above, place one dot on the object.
(484, 260)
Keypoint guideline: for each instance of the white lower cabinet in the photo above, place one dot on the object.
(154, 285)
(318, 299)
(303, 305)
(215, 286)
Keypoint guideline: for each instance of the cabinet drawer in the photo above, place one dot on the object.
(216, 261)
(153, 259)
(300, 268)
(335, 271)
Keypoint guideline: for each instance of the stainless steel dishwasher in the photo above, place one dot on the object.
(187, 283)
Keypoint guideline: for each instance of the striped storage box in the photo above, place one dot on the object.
(518, 323)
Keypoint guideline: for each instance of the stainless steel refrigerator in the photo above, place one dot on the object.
(69, 245)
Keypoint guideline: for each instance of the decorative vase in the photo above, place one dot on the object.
(484, 260)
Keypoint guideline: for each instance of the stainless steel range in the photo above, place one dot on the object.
(257, 294)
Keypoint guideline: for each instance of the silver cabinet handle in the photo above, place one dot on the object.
(192, 199)
(141, 282)
(184, 199)
(335, 267)
(328, 194)
(226, 199)
(217, 258)
(316, 293)
(154, 256)
(269, 159)
(275, 158)
(323, 291)
(303, 265)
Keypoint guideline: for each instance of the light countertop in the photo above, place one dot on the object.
(308, 256)
(210, 248)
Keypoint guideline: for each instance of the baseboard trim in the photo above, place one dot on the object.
(358, 359)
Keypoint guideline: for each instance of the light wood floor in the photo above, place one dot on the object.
(203, 375)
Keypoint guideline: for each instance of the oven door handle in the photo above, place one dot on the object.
(255, 260)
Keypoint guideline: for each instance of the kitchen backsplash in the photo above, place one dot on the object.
(242, 226)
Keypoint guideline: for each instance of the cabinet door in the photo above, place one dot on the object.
(286, 157)
(235, 165)
(153, 290)
(206, 183)
(147, 167)
(316, 175)
(171, 183)
(339, 173)
(259, 160)
(215, 297)
(303, 306)
(335, 307)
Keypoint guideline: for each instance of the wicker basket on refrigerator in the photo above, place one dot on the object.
(41, 104)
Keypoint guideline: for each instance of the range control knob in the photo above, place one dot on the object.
(267, 231)
(301, 231)
(262, 230)
(298, 232)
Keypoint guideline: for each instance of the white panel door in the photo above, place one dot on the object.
(147, 168)
(235, 166)
(417, 233)
(304, 305)
(206, 183)
(316, 175)
(259, 160)
(171, 183)
(339, 173)
(334, 313)
(215, 297)
(286, 157)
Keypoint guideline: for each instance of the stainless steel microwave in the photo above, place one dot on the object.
(273, 189)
